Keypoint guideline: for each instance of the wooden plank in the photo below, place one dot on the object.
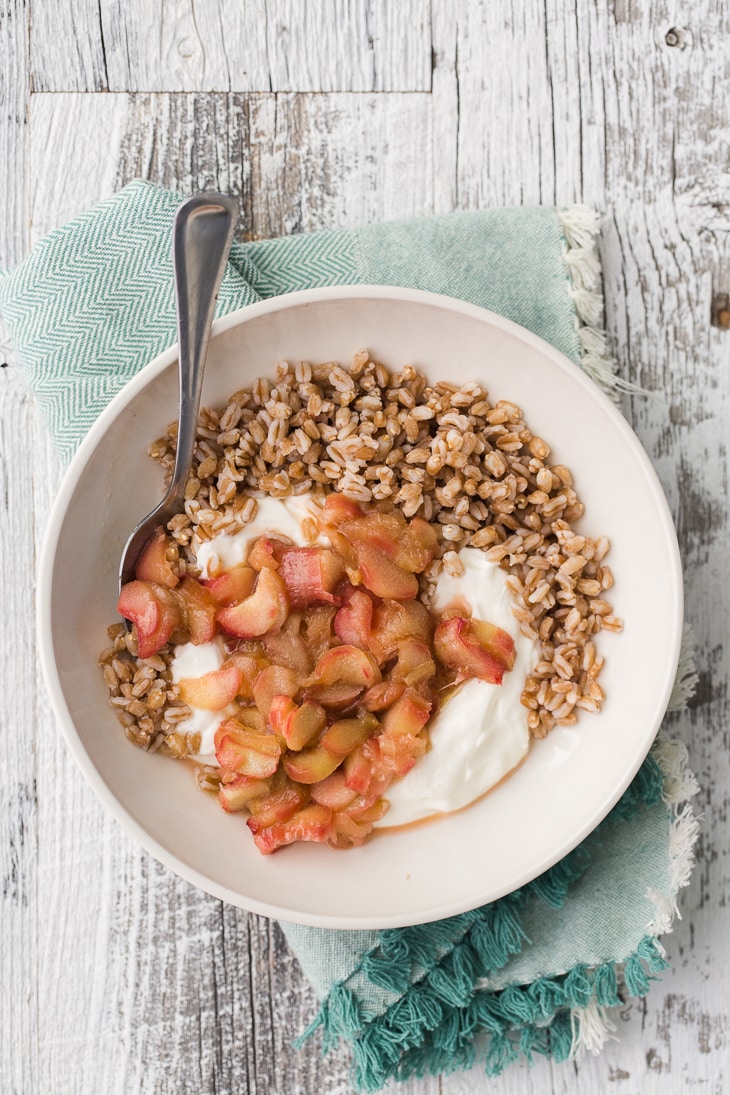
(67, 46)
(299, 162)
(19, 722)
(18, 677)
(14, 92)
(262, 45)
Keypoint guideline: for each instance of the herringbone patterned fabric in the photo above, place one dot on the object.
(94, 302)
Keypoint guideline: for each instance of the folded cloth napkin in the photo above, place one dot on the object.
(535, 971)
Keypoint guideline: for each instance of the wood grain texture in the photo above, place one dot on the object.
(258, 45)
(118, 977)
(14, 95)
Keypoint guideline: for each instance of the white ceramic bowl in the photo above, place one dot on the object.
(568, 782)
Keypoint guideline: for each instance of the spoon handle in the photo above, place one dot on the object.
(202, 238)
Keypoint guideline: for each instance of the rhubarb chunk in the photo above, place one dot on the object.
(232, 586)
(265, 552)
(394, 622)
(247, 752)
(474, 649)
(275, 680)
(154, 611)
(313, 823)
(235, 795)
(408, 715)
(346, 665)
(311, 765)
(333, 791)
(298, 725)
(197, 610)
(345, 735)
(382, 576)
(310, 575)
(213, 691)
(336, 510)
(158, 561)
(278, 806)
(354, 620)
(264, 610)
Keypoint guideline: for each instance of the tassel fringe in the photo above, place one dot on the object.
(687, 678)
(581, 226)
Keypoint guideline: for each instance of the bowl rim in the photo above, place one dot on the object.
(70, 482)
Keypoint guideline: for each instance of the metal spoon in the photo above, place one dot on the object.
(201, 240)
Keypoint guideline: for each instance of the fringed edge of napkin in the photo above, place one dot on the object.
(581, 226)
(593, 1026)
(445, 1021)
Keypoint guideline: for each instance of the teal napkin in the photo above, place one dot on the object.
(536, 971)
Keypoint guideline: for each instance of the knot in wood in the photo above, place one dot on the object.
(720, 315)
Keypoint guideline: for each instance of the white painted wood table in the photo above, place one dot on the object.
(116, 977)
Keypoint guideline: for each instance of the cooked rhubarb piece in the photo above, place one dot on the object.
(197, 609)
(336, 696)
(264, 610)
(358, 769)
(417, 546)
(408, 715)
(313, 823)
(382, 695)
(213, 691)
(158, 561)
(382, 576)
(399, 753)
(366, 810)
(333, 791)
(393, 622)
(495, 639)
(379, 778)
(265, 552)
(336, 510)
(247, 752)
(252, 719)
(275, 680)
(232, 586)
(317, 630)
(482, 651)
(348, 833)
(251, 665)
(235, 795)
(310, 575)
(277, 806)
(288, 649)
(344, 735)
(344, 548)
(387, 549)
(354, 619)
(414, 663)
(346, 665)
(298, 725)
(154, 611)
(381, 531)
(311, 765)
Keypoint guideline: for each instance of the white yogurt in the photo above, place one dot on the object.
(481, 732)
(273, 515)
(190, 660)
